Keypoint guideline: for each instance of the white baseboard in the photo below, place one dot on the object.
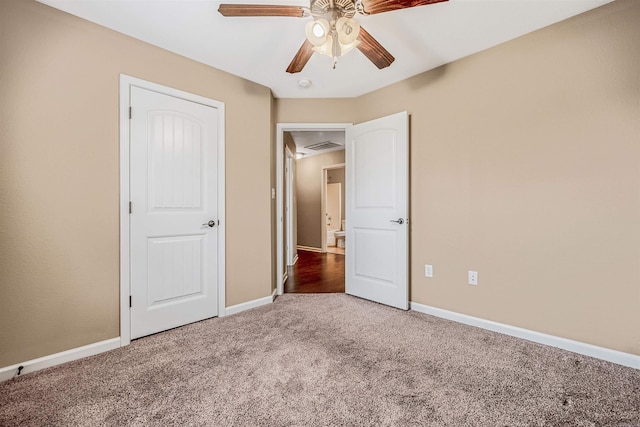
(235, 309)
(309, 248)
(295, 259)
(621, 358)
(29, 366)
(280, 289)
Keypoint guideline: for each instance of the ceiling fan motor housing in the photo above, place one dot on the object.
(332, 10)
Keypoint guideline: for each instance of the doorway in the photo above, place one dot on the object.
(320, 268)
(377, 235)
(316, 272)
(303, 220)
(333, 203)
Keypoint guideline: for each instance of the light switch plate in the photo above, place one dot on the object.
(428, 270)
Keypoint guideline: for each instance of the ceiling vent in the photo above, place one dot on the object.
(322, 146)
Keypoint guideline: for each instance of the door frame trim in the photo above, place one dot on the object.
(281, 128)
(289, 158)
(126, 82)
(323, 201)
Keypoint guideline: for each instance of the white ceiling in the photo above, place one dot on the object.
(304, 139)
(260, 49)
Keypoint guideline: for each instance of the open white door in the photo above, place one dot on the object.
(377, 175)
(174, 215)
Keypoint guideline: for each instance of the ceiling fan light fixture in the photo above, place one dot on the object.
(317, 31)
(348, 30)
(346, 48)
(325, 48)
(333, 31)
(337, 41)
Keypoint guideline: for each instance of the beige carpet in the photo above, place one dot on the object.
(327, 360)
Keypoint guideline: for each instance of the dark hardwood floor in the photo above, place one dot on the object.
(316, 273)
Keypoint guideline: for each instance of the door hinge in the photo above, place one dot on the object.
(130, 301)
(130, 207)
(130, 112)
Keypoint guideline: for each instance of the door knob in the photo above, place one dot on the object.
(211, 223)
(398, 221)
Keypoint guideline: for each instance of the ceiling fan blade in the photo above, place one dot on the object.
(261, 10)
(301, 58)
(371, 7)
(373, 50)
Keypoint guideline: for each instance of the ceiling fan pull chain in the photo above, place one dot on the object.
(335, 48)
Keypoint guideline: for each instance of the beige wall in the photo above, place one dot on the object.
(59, 246)
(308, 190)
(524, 167)
(334, 110)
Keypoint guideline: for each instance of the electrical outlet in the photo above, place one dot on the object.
(428, 270)
(473, 278)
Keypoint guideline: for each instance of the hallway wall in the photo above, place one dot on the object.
(308, 194)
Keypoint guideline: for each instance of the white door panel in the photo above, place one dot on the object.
(333, 203)
(175, 267)
(375, 164)
(373, 250)
(378, 185)
(174, 196)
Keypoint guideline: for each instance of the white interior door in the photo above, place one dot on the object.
(174, 215)
(334, 206)
(332, 215)
(377, 176)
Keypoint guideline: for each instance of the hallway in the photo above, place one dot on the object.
(316, 273)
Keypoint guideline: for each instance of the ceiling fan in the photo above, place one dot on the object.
(333, 31)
